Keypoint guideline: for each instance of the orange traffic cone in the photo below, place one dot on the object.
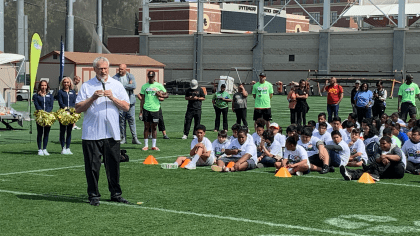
(150, 160)
(184, 163)
(366, 179)
(230, 164)
(283, 173)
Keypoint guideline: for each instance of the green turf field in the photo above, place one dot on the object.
(46, 195)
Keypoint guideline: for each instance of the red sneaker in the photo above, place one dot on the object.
(155, 149)
(145, 148)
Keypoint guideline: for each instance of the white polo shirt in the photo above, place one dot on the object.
(101, 119)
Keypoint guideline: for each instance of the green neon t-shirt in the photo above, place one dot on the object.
(151, 101)
(218, 102)
(408, 92)
(262, 94)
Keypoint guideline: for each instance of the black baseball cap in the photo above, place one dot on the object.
(263, 74)
(151, 74)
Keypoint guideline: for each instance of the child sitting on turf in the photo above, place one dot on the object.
(396, 131)
(260, 124)
(291, 130)
(317, 154)
(201, 153)
(220, 144)
(389, 163)
(411, 149)
(243, 154)
(338, 151)
(357, 150)
(271, 150)
(295, 158)
(348, 126)
(322, 133)
(235, 128)
(388, 133)
(336, 125)
(322, 117)
(278, 134)
(396, 119)
(371, 141)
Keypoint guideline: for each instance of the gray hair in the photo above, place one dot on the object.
(98, 59)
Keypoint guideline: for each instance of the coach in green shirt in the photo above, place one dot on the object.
(262, 92)
(149, 108)
(407, 98)
(220, 103)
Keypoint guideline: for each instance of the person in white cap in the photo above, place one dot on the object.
(194, 95)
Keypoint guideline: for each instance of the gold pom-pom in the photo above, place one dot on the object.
(67, 116)
(44, 118)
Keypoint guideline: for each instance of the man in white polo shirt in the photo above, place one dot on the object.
(100, 99)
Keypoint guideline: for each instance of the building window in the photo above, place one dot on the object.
(337, 1)
(315, 15)
(291, 57)
(282, 2)
(331, 1)
(321, 1)
(315, 2)
(303, 1)
(333, 16)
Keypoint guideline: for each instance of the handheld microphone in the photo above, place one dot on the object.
(103, 83)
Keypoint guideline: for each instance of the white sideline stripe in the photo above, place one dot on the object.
(69, 167)
(40, 174)
(205, 215)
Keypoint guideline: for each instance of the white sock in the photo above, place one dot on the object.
(195, 159)
(146, 142)
(153, 142)
(176, 163)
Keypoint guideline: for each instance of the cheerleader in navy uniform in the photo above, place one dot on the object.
(66, 100)
(43, 101)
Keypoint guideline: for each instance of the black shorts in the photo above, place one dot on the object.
(407, 108)
(315, 160)
(150, 116)
(264, 113)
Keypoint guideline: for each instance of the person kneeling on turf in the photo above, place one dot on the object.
(201, 153)
(295, 158)
(390, 163)
(244, 154)
(318, 155)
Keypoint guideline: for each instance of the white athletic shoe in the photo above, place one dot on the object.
(69, 152)
(190, 166)
(169, 166)
(64, 151)
(216, 168)
(299, 173)
(45, 152)
(76, 127)
(40, 152)
(184, 137)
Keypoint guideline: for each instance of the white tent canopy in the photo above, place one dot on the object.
(10, 57)
(389, 9)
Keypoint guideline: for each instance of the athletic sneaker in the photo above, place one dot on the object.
(325, 169)
(64, 151)
(94, 202)
(155, 149)
(190, 166)
(169, 166)
(45, 152)
(165, 137)
(69, 152)
(217, 168)
(76, 127)
(260, 165)
(375, 177)
(332, 170)
(346, 175)
(119, 199)
(40, 152)
(184, 137)
(299, 173)
(145, 148)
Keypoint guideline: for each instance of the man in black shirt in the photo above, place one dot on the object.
(353, 93)
(194, 96)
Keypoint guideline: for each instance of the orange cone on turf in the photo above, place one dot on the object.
(150, 160)
(184, 163)
(366, 179)
(283, 173)
(230, 164)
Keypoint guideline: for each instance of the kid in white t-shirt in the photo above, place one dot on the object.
(201, 152)
(357, 150)
(322, 133)
(278, 134)
(295, 158)
(317, 154)
(220, 144)
(271, 150)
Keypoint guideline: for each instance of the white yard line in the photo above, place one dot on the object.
(40, 174)
(297, 227)
(69, 167)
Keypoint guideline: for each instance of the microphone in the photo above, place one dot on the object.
(103, 83)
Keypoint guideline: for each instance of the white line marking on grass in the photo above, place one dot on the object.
(40, 174)
(68, 167)
(297, 227)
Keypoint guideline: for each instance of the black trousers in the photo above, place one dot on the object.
(189, 115)
(292, 116)
(42, 136)
(412, 166)
(109, 149)
(394, 171)
(378, 109)
(301, 116)
(219, 111)
(65, 129)
(241, 116)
